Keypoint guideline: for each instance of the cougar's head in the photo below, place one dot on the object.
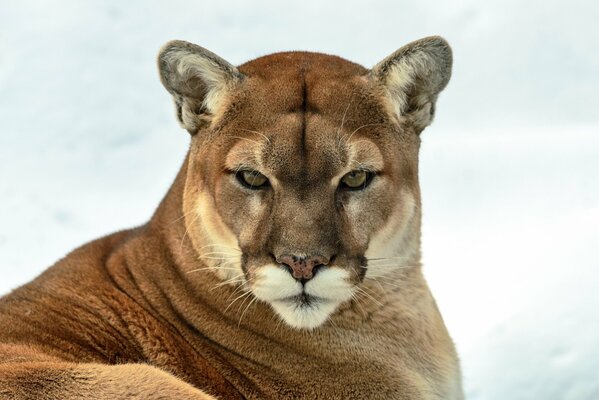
(302, 176)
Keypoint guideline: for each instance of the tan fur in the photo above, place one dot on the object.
(194, 304)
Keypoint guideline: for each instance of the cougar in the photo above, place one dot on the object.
(283, 263)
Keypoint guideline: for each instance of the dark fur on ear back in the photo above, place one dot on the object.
(198, 79)
(412, 78)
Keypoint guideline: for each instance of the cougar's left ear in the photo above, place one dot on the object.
(413, 77)
(199, 81)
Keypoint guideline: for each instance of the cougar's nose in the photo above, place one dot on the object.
(302, 268)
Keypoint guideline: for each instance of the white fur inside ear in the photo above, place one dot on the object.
(413, 76)
(401, 80)
(199, 80)
(398, 81)
(191, 66)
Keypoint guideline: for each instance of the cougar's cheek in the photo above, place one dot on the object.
(394, 242)
(216, 245)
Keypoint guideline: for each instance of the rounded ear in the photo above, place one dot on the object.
(198, 79)
(413, 77)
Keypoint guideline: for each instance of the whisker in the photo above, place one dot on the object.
(243, 302)
(219, 252)
(193, 221)
(243, 286)
(249, 140)
(220, 245)
(244, 311)
(357, 129)
(279, 323)
(387, 258)
(237, 298)
(216, 258)
(183, 215)
(236, 278)
(335, 327)
(211, 268)
(230, 261)
(369, 295)
(397, 266)
(343, 120)
(385, 282)
(259, 133)
(230, 266)
(378, 283)
(357, 302)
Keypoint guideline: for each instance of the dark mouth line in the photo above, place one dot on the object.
(304, 299)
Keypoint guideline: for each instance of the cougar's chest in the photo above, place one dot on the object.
(363, 369)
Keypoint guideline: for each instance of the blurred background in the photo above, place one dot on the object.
(509, 170)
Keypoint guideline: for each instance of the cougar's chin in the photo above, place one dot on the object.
(303, 306)
(305, 314)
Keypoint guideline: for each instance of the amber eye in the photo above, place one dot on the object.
(357, 179)
(252, 179)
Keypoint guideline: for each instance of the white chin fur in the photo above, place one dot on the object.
(330, 287)
(304, 316)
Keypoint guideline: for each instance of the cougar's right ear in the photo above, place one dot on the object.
(198, 79)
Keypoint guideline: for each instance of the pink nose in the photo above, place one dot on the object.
(302, 268)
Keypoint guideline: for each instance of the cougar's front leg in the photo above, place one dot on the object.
(27, 375)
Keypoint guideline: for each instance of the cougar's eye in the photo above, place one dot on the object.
(357, 179)
(252, 179)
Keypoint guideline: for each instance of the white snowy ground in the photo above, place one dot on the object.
(509, 170)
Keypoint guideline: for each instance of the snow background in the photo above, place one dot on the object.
(509, 170)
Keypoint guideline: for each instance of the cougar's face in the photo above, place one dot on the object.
(303, 185)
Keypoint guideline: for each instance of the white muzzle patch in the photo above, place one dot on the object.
(303, 306)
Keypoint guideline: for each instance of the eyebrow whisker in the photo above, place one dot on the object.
(259, 133)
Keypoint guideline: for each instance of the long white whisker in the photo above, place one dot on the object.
(216, 258)
(236, 278)
(249, 140)
(211, 268)
(343, 120)
(193, 221)
(357, 301)
(243, 302)
(259, 133)
(237, 298)
(361, 290)
(383, 281)
(183, 215)
(357, 129)
(230, 261)
(219, 252)
(220, 245)
(238, 288)
(248, 306)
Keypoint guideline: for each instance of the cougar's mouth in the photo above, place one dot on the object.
(302, 306)
(303, 300)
